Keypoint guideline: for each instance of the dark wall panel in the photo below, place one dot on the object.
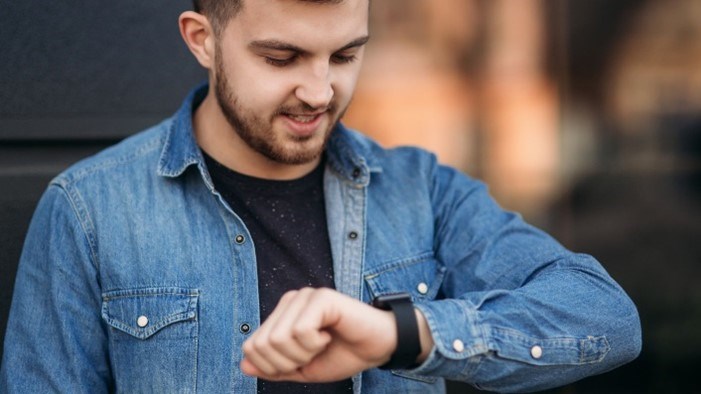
(84, 69)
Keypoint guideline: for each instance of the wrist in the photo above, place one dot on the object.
(425, 336)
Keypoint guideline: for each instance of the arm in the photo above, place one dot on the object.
(55, 341)
(517, 311)
(520, 312)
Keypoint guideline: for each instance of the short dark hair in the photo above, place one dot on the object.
(220, 12)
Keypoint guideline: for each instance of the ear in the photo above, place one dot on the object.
(198, 36)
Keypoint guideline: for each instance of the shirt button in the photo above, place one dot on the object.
(240, 239)
(458, 346)
(536, 352)
(142, 321)
(422, 288)
(245, 328)
(353, 235)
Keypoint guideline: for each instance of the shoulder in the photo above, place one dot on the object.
(140, 150)
(400, 157)
(411, 167)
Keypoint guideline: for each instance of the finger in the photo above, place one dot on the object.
(255, 348)
(311, 339)
(248, 368)
(272, 348)
(263, 357)
(251, 370)
(283, 336)
(280, 308)
(311, 328)
(293, 376)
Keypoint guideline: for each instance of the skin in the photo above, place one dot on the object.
(283, 73)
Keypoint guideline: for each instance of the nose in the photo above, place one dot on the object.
(316, 88)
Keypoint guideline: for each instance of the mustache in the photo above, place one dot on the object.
(305, 109)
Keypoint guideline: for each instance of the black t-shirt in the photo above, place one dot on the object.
(287, 221)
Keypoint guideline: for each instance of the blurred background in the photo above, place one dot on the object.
(585, 116)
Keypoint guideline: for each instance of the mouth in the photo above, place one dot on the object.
(304, 118)
(304, 124)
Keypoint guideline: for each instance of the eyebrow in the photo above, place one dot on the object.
(285, 46)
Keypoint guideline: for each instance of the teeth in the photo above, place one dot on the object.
(302, 118)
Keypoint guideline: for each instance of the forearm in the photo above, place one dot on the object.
(517, 310)
(571, 322)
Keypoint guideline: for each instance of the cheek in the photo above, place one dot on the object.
(271, 91)
(256, 87)
(345, 86)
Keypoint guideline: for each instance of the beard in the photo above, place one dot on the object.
(258, 132)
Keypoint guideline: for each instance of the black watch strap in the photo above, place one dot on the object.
(408, 342)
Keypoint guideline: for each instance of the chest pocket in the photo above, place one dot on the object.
(421, 276)
(153, 338)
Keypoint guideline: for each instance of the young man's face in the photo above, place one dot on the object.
(285, 73)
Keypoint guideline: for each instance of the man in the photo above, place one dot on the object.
(150, 267)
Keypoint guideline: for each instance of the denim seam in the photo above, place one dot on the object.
(399, 263)
(81, 213)
(81, 173)
(119, 297)
(150, 291)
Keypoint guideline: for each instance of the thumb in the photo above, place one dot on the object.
(249, 369)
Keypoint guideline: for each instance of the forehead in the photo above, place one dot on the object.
(303, 23)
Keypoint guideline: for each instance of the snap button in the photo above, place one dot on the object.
(458, 346)
(239, 239)
(536, 352)
(353, 235)
(422, 288)
(142, 321)
(245, 328)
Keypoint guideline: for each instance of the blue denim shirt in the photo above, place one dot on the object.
(136, 276)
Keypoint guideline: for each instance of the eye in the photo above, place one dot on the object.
(343, 59)
(278, 62)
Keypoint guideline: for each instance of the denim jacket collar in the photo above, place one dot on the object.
(349, 156)
(180, 150)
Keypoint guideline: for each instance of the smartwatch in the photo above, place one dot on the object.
(408, 343)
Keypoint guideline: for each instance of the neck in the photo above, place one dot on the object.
(216, 136)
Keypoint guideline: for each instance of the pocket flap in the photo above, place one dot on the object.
(421, 276)
(143, 312)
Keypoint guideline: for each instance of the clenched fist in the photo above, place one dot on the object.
(321, 335)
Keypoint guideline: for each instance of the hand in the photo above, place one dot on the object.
(319, 335)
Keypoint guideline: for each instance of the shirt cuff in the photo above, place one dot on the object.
(457, 339)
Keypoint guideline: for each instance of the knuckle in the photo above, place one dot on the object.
(287, 368)
(289, 295)
(267, 369)
(300, 330)
(278, 340)
(305, 358)
(258, 344)
(319, 295)
(306, 290)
